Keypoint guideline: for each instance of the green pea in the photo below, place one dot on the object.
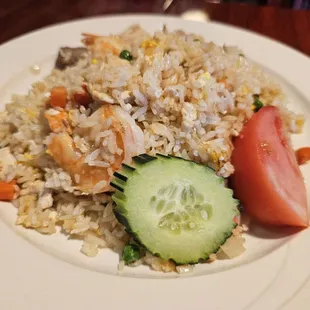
(131, 253)
(126, 55)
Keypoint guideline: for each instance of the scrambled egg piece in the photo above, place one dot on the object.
(204, 78)
(31, 113)
(28, 156)
(150, 46)
(244, 90)
(217, 158)
(149, 43)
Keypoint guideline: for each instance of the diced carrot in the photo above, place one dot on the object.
(7, 190)
(58, 97)
(83, 97)
(303, 155)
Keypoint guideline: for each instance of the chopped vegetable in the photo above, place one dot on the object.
(303, 155)
(177, 209)
(58, 97)
(131, 254)
(82, 98)
(257, 104)
(267, 179)
(126, 55)
(7, 190)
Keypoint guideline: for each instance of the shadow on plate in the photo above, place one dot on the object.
(266, 232)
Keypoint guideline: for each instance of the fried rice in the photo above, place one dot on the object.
(189, 97)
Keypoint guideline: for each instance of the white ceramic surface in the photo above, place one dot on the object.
(49, 272)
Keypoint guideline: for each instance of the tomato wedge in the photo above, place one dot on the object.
(267, 179)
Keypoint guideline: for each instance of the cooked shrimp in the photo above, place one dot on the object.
(100, 46)
(58, 121)
(128, 138)
(132, 134)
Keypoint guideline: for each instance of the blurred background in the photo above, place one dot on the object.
(287, 21)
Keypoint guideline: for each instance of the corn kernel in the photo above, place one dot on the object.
(31, 113)
(207, 75)
(149, 44)
(28, 156)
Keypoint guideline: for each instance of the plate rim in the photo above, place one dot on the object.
(149, 15)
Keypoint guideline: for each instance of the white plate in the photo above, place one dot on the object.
(49, 272)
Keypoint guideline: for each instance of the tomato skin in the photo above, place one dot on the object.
(267, 179)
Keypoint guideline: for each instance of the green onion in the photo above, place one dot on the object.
(126, 55)
(257, 104)
(131, 253)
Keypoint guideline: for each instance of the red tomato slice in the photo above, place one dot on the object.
(267, 179)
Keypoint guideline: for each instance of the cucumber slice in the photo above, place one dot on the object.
(176, 209)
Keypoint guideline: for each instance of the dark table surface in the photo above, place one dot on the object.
(288, 26)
